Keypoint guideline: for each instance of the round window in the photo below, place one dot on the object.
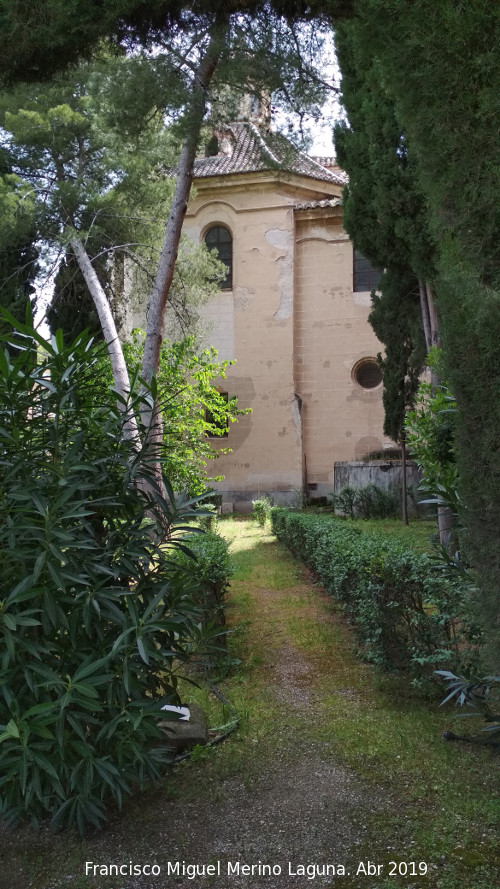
(367, 374)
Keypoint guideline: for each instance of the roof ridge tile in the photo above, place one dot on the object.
(253, 152)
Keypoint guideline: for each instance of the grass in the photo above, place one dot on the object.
(445, 797)
(419, 533)
(444, 803)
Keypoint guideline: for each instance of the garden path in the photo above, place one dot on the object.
(323, 769)
(286, 800)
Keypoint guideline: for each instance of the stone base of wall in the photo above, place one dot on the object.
(241, 501)
(318, 490)
(356, 474)
(383, 473)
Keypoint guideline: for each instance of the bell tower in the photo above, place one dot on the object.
(256, 108)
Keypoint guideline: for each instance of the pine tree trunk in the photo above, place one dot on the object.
(445, 516)
(115, 351)
(433, 315)
(164, 275)
(430, 322)
(426, 321)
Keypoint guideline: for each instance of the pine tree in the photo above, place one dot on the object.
(62, 144)
(38, 40)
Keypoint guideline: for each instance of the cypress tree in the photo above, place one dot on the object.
(384, 215)
(438, 64)
(18, 253)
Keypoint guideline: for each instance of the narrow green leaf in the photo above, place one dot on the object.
(142, 651)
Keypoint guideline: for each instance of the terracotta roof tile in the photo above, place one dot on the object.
(331, 164)
(247, 150)
(315, 205)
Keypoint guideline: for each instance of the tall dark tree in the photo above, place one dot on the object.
(385, 208)
(384, 214)
(439, 65)
(396, 320)
(18, 253)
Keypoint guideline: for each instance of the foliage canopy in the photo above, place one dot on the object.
(446, 103)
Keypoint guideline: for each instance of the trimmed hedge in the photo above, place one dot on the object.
(206, 576)
(406, 614)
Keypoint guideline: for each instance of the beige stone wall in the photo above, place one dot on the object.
(296, 328)
(266, 445)
(341, 421)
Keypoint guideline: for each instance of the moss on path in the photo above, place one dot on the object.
(331, 765)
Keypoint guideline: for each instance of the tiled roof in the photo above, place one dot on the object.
(331, 164)
(315, 205)
(244, 149)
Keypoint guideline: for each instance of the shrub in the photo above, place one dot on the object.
(406, 615)
(193, 409)
(482, 697)
(208, 578)
(345, 501)
(369, 502)
(261, 509)
(92, 619)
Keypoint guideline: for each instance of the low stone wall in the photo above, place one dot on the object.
(241, 501)
(384, 473)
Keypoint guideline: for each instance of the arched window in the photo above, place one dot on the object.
(365, 276)
(220, 424)
(220, 239)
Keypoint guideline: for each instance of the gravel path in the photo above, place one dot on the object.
(301, 819)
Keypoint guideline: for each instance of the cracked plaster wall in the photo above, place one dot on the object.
(331, 334)
(282, 239)
(297, 330)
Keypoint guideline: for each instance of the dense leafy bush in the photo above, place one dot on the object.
(345, 501)
(430, 430)
(92, 618)
(196, 415)
(406, 614)
(260, 510)
(208, 579)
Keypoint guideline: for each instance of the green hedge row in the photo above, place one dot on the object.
(406, 614)
(206, 577)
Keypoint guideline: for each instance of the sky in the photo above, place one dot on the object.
(321, 132)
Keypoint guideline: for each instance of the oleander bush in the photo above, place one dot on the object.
(93, 618)
(406, 614)
(481, 697)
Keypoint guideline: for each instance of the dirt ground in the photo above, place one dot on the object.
(299, 809)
